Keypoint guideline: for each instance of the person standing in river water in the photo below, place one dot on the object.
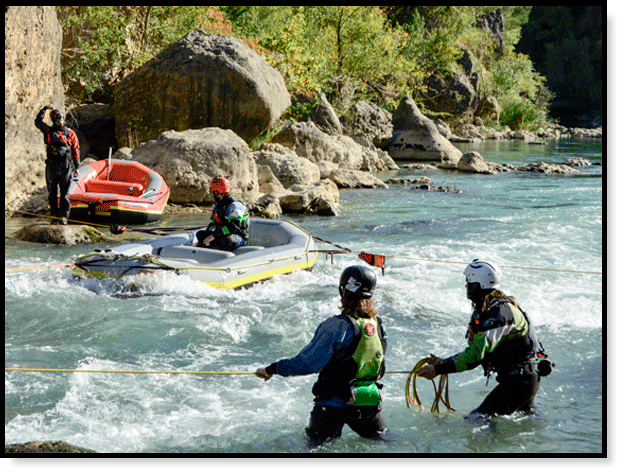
(62, 151)
(348, 352)
(501, 339)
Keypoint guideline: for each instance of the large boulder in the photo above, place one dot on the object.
(324, 116)
(472, 162)
(355, 179)
(32, 79)
(308, 141)
(59, 234)
(416, 137)
(200, 81)
(454, 92)
(368, 120)
(189, 160)
(289, 168)
(320, 198)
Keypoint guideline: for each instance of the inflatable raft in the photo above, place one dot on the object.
(276, 248)
(118, 191)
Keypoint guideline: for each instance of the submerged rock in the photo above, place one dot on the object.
(47, 447)
(59, 234)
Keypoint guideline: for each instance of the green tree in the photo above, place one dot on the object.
(318, 47)
(103, 44)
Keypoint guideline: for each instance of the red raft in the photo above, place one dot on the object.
(118, 191)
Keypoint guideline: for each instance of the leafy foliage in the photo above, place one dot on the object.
(348, 52)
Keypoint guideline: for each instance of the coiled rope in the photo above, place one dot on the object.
(411, 393)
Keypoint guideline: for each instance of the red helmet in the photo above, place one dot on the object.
(220, 185)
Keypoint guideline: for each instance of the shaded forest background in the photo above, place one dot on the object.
(545, 63)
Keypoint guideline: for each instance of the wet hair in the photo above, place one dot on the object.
(495, 295)
(357, 306)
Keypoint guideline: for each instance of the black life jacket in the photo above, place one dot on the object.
(57, 141)
(218, 217)
(510, 352)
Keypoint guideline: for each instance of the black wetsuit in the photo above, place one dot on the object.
(62, 158)
(229, 225)
(501, 340)
(331, 353)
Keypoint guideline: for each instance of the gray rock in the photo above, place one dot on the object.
(32, 79)
(416, 137)
(189, 160)
(200, 81)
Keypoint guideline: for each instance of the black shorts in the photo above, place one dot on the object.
(326, 422)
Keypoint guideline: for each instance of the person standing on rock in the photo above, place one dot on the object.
(348, 351)
(229, 226)
(62, 160)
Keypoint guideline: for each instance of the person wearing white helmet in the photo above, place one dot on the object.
(501, 339)
(347, 351)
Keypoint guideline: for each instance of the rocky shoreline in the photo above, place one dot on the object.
(303, 168)
(208, 105)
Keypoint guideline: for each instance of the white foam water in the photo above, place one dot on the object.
(519, 220)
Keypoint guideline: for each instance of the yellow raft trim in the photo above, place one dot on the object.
(306, 263)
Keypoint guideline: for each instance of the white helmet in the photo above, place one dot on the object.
(488, 275)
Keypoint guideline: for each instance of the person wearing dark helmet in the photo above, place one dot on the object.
(229, 225)
(501, 339)
(62, 160)
(348, 352)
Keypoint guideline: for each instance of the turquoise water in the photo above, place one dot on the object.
(172, 323)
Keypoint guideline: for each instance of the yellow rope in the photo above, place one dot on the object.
(122, 371)
(24, 269)
(7, 210)
(411, 393)
(508, 267)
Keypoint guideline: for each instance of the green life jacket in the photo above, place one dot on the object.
(368, 357)
(353, 371)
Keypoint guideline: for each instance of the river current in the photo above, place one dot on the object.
(523, 221)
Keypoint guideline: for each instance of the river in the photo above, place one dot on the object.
(519, 220)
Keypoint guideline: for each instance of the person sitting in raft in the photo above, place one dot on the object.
(501, 339)
(229, 226)
(347, 351)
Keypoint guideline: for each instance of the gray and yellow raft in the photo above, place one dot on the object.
(275, 248)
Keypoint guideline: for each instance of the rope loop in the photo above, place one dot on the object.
(411, 393)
